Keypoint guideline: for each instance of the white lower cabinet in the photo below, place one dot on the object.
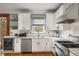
(48, 45)
(38, 45)
(41, 45)
(17, 45)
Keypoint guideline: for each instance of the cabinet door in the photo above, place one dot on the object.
(27, 21)
(36, 45)
(41, 45)
(24, 21)
(20, 21)
(17, 45)
(48, 44)
(59, 26)
(50, 21)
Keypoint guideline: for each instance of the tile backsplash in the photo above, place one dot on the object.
(65, 34)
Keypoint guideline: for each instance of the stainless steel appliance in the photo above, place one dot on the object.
(26, 45)
(63, 48)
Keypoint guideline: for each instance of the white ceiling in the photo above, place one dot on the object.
(28, 7)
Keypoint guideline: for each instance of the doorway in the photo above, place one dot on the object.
(4, 27)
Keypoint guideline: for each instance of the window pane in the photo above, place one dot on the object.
(40, 21)
(38, 29)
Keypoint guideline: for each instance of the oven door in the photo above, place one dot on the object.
(61, 51)
(58, 51)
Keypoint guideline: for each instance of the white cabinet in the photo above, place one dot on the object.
(24, 21)
(48, 45)
(17, 45)
(50, 19)
(37, 45)
(41, 45)
(59, 26)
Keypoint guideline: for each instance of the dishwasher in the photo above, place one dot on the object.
(26, 45)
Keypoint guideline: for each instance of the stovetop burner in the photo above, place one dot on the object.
(65, 42)
(69, 44)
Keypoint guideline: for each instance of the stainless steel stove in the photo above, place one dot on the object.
(69, 44)
(64, 48)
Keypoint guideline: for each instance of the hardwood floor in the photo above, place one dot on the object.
(30, 54)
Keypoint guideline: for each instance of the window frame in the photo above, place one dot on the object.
(44, 25)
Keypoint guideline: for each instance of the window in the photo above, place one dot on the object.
(38, 23)
(13, 21)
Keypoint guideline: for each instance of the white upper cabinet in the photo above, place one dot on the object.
(59, 26)
(50, 21)
(24, 21)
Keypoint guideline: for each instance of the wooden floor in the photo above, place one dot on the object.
(30, 54)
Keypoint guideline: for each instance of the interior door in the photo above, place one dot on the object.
(4, 26)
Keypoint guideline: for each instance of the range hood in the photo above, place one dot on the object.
(67, 21)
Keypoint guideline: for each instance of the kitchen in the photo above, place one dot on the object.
(39, 29)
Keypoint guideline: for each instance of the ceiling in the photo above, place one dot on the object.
(28, 7)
